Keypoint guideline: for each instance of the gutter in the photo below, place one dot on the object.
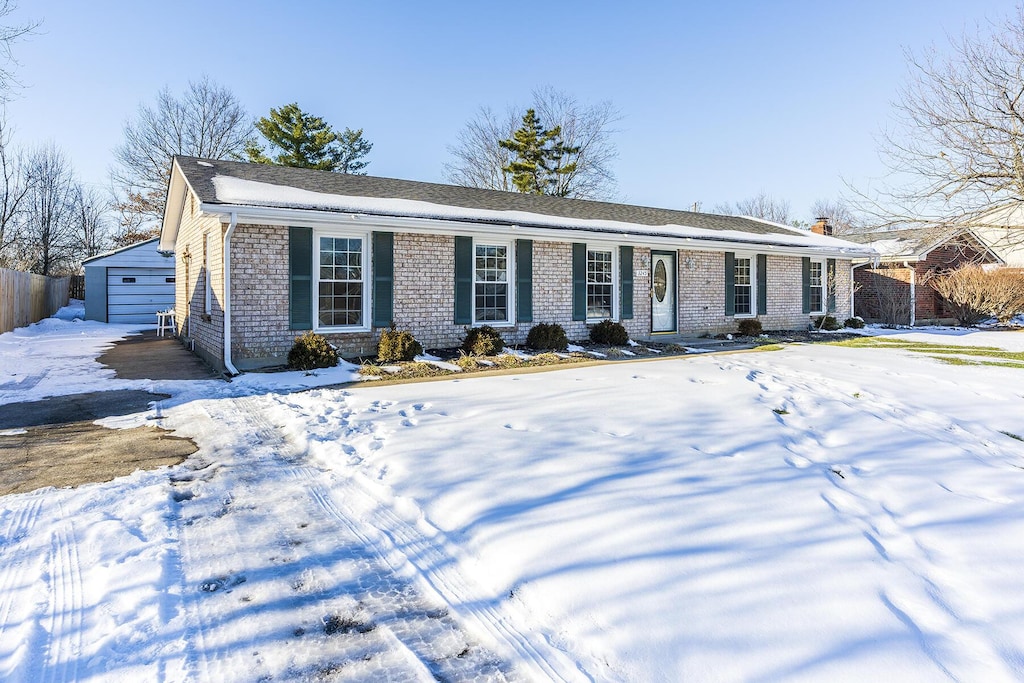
(232, 370)
(315, 218)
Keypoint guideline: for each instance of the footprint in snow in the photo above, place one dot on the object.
(798, 461)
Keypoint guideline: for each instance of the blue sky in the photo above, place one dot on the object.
(720, 100)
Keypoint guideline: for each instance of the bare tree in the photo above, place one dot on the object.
(840, 215)
(479, 161)
(956, 155)
(90, 220)
(47, 242)
(14, 186)
(761, 205)
(9, 35)
(206, 121)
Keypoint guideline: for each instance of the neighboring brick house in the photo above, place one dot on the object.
(264, 253)
(893, 288)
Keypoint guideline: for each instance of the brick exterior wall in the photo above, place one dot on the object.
(702, 293)
(424, 274)
(883, 293)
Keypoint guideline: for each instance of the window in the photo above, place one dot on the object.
(817, 286)
(490, 283)
(743, 278)
(600, 284)
(341, 289)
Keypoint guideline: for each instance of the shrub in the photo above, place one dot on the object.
(397, 345)
(483, 341)
(507, 360)
(310, 351)
(854, 323)
(972, 293)
(610, 333)
(750, 327)
(544, 336)
(827, 322)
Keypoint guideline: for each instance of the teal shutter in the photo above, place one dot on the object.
(730, 283)
(762, 284)
(524, 281)
(463, 280)
(807, 283)
(830, 283)
(383, 278)
(300, 278)
(625, 283)
(579, 281)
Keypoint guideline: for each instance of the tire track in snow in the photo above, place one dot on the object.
(410, 636)
(19, 522)
(920, 601)
(16, 576)
(64, 649)
(435, 561)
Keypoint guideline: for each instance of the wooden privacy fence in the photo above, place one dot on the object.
(26, 298)
(76, 286)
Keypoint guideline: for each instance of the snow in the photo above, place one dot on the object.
(815, 513)
(239, 191)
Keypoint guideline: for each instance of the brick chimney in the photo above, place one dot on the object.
(822, 226)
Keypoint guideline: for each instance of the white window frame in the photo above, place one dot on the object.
(510, 281)
(367, 262)
(207, 280)
(824, 286)
(753, 285)
(614, 249)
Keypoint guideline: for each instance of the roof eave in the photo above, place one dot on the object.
(323, 217)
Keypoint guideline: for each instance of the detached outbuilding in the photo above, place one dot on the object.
(129, 285)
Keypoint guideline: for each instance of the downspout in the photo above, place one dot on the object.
(913, 292)
(853, 289)
(232, 370)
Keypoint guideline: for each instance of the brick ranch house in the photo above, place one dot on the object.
(893, 287)
(264, 253)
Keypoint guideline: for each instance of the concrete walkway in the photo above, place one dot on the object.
(147, 356)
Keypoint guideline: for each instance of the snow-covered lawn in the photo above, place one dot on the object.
(818, 513)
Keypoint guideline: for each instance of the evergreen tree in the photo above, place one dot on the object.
(307, 141)
(539, 157)
(353, 148)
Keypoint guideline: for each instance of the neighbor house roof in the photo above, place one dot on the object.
(914, 244)
(226, 186)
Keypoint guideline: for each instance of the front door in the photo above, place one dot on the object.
(663, 292)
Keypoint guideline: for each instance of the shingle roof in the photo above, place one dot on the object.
(906, 243)
(201, 172)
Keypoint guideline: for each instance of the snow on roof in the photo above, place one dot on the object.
(238, 191)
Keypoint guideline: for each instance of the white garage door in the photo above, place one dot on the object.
(134, 295)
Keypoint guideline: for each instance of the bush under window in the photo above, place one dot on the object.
(854, 323)
(397, 345)
(610, 333)
(544, 337)
(827, 322)
(311, 351)
(750, 327)
(483, 341)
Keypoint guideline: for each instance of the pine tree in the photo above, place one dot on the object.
(307, 141)
(353, 148)
(539, 156)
